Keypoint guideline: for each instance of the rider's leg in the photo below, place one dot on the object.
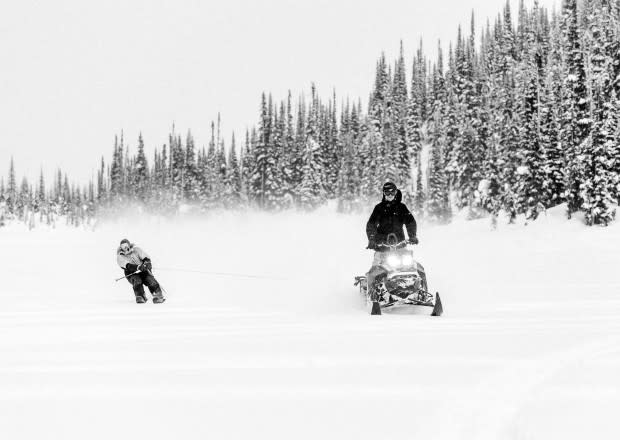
(375, 271)
(423, 277)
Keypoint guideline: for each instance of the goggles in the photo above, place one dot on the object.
(389, 192)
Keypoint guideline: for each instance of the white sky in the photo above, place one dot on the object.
(75, 72)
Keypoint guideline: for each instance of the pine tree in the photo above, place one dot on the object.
(101, 186)
(554, 156)
(209, 173)
(177, 168)
(328, 140)
(401, 123)
(419, 199)
(575, 118)
(40, 194)
(116, 173)
(530, 191)
(349, 176)
(164, 178)
(233, 179)
(437, 202)
(11, 190)
(23, 203)
(246, 167)
(141, 172)
(191, 189)
(221, 168)
(598, 151)
(380, 164)
(259, 159)
(297, 154)
(289, 157)
(311, 189)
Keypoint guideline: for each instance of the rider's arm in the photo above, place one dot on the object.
(371, 225)
(141, 254)
(410, 224)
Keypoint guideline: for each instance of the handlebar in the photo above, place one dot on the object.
(394, 246)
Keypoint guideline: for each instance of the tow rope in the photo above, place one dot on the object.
(222, 274)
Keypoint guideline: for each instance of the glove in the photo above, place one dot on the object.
(371, 244)
(413, 240)
(146, 265)
(131, 268)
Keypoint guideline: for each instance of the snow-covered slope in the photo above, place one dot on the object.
(528, 348)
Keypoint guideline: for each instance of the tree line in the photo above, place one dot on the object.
(513, 119)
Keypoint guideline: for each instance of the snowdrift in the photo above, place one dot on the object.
(264, 335)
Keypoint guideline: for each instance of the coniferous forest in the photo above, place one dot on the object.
(518, 115)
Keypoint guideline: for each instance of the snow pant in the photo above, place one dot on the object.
(375, 271)
(423, 277)
(372, 275)
(139, 280)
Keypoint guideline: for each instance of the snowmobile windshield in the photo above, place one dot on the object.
(391, 247)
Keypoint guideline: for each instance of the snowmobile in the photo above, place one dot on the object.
(402, 282)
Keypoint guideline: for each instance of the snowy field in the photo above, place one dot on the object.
(528, 347)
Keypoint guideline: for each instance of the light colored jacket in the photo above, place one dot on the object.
(134, 255)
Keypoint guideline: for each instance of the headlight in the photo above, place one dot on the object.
(393, 260)
(407, 260)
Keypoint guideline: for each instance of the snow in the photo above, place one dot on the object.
(528, 348)
(425, 153)
(523, 170)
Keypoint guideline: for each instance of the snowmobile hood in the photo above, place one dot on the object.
(397, 199)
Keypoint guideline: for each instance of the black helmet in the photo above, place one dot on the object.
(389, 189)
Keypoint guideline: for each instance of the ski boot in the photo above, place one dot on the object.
(140, 299)
(158, 297)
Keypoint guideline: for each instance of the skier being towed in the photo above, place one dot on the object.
(137, 266)
(385, 228)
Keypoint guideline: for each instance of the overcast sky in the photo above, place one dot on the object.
(75, 72)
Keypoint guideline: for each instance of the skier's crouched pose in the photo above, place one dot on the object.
(386, 227)
(133, 259)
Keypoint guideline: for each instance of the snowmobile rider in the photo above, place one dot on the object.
(137, 266)
(386, 223)
(388, 219)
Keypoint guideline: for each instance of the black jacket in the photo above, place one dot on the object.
(389, 218)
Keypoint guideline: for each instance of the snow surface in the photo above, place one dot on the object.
(528, 348)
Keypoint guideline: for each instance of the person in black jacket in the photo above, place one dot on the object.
(386, 226)
(389, 217)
